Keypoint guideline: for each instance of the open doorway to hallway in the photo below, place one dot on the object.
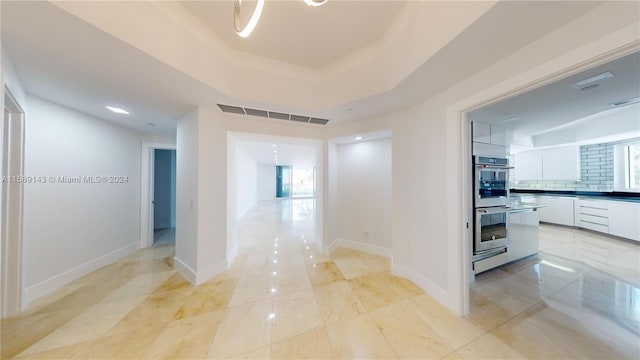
(164, 197)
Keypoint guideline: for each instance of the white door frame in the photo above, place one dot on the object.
(146, 190)
(12, 135)
(460, 271)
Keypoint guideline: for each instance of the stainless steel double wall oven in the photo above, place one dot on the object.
(491, 204)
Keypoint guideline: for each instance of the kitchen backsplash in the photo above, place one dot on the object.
(596, 172)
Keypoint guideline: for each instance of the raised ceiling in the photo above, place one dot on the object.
(85, 55)
(295, 33)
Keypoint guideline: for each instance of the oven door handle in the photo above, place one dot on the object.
(484, 166)
(493, 211)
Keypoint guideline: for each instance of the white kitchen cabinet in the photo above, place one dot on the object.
(561, 163)
(498, 135)
(624, 219)
(528, 165)
(523, 235)
(558, 210)
(490, 263)
(481, 132)
(619, 218)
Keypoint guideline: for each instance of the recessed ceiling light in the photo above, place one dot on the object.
(358, 138)
(150, 124)
(315, 2)
(350, 110)
(627, 101)
(274, 145)
(117, 110)
(580, 84)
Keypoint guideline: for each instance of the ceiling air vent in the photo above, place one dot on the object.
(318, 121)
(231, 109)
(277, 115)
(254, 112)
(272, 114)
(300, 118)
(627, 102)
(590, 80)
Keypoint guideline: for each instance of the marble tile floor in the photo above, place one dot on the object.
(282, 299)
(164, 236)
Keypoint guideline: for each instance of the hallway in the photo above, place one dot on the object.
(283, 299)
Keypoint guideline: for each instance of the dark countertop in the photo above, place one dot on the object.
(612, 195)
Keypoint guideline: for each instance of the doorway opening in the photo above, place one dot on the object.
(148, 191)
(295, 182)
(12, 195)
(462, 269)
(164, 197)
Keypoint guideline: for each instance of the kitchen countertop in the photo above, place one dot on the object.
(524, 207)
(591, 195)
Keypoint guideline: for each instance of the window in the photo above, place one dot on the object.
(632, 166)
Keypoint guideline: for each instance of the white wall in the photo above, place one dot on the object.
(213, 257)
(266, 182)
(364, 196)
(201, 211)
(246, 177)
(186, 255)
(71, 229)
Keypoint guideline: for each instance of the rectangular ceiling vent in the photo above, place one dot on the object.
(271, 114)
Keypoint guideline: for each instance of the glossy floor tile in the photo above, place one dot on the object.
(282, 299)
(579, 298)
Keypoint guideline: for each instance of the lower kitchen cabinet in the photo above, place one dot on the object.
(558, 210)
(624, 219)
(619, 218)
(523, 235)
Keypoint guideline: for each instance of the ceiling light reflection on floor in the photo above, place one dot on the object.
(559, 267)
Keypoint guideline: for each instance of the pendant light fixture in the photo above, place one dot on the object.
(315, 2)
(253, 20)
(255, 16)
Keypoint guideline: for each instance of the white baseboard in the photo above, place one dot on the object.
(231, 255)
(425, 284)
(198, 277)
(327, 250)
(44, 287)
(364, 247)
(210, 272)
(184, 269)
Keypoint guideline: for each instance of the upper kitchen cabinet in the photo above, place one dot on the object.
(561, 163)
(498, 135)
(488, 134)
(481, 132)
(528, 165)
